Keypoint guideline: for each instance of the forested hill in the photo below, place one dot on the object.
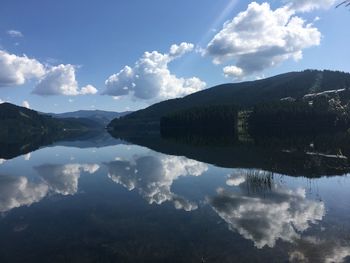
(245, 95)
(18, 122)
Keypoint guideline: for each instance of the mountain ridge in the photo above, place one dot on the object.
(100, 116)
(246, 94)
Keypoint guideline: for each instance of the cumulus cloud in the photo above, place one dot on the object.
(61, 80)
(259, 38)
(19, 191)
(180, 50)
(153, 176)
(14, 33)
(233, 72)
(88, 89)
(52, 80)
(25, 104)
(151, 79)
(309, 5)
(282, 214)
(16, 70)
(63, 179)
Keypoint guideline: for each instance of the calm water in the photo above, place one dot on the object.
(120, 202)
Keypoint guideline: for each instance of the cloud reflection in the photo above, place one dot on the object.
(282, 214)
(59, 179)
(19, 191)
(63, 179)
(312, 249)
(153, 177)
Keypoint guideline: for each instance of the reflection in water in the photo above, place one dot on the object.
(255, 181)
(63, 179)
(301, 156)
(59, 179)
(19, 191)
(312, 249)
(281, 214)
(153, 177)
(235, 180)
(27, 156)
(262, 207)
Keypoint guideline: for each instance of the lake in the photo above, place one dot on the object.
(166, 201)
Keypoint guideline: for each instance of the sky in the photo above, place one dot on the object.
(59, 56)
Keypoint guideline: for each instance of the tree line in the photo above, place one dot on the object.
(216, 119)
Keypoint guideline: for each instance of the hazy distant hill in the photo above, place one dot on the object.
(23, 130)
(102, 117)
(19, 123)
(294, 85)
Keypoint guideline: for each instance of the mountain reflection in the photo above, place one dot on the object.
(17, 191)
(281, 214)
(153, 177)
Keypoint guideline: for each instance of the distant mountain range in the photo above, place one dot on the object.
(101, 117)
(288, 86)
(24, 130)
(17, 122)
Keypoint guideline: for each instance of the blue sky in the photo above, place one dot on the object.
(66, 55)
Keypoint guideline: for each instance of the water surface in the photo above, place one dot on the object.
(112, 201)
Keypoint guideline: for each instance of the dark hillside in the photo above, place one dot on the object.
(245, 95)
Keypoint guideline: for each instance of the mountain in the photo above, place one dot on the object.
(16, 120)
(293, 85)
(102, 117)
(24, 130)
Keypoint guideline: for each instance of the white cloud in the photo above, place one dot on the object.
(61, 80)
(153, 176)
(180, 50)
(16, 70)
(25, 104)
(309, 5)
(18, 191)
(282, 214)
(14, 33)
(233, 71)
(259, 38)
(53, 80)
(63, 179)
(151, 79)
(88, 89)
